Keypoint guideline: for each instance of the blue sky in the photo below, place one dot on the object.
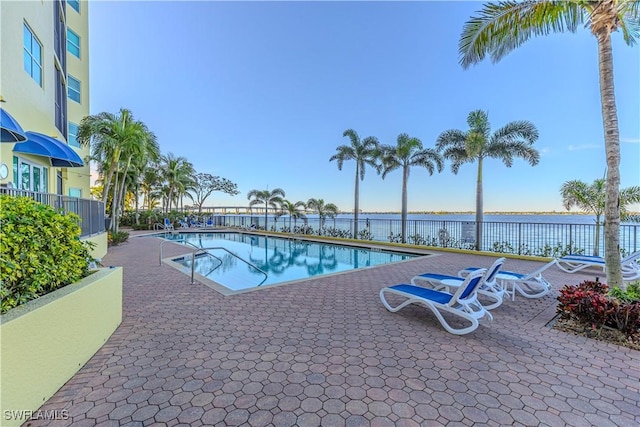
(261, 93)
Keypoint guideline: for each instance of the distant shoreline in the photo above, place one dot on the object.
(469, 213)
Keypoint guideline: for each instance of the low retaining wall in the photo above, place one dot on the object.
(44, 342)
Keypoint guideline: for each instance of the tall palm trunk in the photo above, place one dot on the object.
(356, 204)
(612, 148)
(169, 199)
(405, 178)
(114, 206)
(479, 206)
(109, 177)
(121, 197)
(266, 209)
(596, 247)
(137, 196)
(123, 184)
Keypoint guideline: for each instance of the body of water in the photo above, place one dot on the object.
(529, 218)
(525, 234)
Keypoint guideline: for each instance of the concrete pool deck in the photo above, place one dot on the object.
(326, 353)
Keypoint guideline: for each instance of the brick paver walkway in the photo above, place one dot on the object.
(326, 353)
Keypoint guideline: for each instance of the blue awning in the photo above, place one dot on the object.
(61, 154)
(10, 129)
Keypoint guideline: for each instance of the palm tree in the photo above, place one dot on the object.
(364, 152)
(512, 140)
(324, 211)
(135, 154)
(150, 184)
(592, 199)
(504, 26)
(408, 152)
(293, 210)
(109, 135)
(178, 173)
(273, 198)
(115, 141)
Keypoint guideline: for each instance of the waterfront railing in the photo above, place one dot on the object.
(522, 238)
(91, 212)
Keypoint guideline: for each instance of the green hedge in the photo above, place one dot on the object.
(40, 251)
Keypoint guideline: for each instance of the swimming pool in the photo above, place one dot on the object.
(240, 261)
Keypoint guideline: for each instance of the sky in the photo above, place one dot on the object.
(260, 93)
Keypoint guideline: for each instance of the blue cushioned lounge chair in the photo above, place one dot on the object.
(572, 263)
(462, 304)
(490, 289)
(531, 285)
(167, 224)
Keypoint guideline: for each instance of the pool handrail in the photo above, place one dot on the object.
(197, 249)
(193, 263)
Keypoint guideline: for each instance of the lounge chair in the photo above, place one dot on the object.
(572, 263)
(168, 226)
(490, 289)
(531, 285)
(183, 223)
(462, 304)
(195, 223)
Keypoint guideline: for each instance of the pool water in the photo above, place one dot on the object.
(249, 261)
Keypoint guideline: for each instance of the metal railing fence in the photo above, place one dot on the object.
(523, 238)
(91, 212)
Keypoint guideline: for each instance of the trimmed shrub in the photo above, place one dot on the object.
(118, 237)
(40, 251)
(631, 294)
(592, 304)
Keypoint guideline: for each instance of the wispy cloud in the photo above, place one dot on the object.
(630, 140)
(544, 151)
(583, 147)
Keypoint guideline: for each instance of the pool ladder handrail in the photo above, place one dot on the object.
(182, 240)
(204, 249)
(170, 241)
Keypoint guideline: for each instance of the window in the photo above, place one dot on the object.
(15, 171)
(60, 34)
(75, 4)
(61, 103)
(75, 192)
(73, 132)
(31, 176)
(74, 89)
(73, 43)
(36, 179)
(59, 182)
(25, 176)
(32, 55)
(45, 180)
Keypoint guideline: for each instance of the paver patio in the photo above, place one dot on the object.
(326, 352)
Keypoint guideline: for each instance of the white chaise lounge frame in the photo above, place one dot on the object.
(462, 304)
(490, 289)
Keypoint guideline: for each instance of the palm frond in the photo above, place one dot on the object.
(453, 138)
(517, 130)
(630, 22)
(428, 158)
(501, 27)
(588, 198)
(478, 122)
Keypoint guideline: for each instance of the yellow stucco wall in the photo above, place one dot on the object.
(101, 245)
(79, 68)
(46, 341)
(32, 105)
